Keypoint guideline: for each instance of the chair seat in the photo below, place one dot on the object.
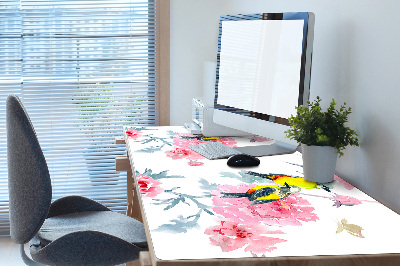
(77, 231)
(107, 222)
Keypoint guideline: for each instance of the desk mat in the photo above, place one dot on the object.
(197, 208)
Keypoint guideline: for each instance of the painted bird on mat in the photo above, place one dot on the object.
(265, 193)
(282, 179)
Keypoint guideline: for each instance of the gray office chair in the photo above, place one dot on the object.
(70, 231)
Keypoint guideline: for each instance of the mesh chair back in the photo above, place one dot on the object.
(28, 176)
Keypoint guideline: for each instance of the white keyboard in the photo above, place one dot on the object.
(214, 150)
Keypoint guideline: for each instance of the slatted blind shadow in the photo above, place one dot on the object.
(82, 69)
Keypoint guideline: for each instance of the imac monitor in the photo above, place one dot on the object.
(263, 73)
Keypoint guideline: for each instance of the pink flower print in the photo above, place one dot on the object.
(178, 153)
(347, 185)
(292, 210)
(184, 140)
(228, 141)
(195, 163)
(288, 211)
(148, 186)
(133, 134)
(230, 236)
(345, 200)
(259, 139)
(182, 153)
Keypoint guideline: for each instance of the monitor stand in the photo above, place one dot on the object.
(276, 148)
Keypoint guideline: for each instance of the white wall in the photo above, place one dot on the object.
(356, 60)
(194, 41)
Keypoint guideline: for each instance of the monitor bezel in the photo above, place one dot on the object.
(305, 69)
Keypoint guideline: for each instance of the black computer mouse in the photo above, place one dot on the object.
(242, 160)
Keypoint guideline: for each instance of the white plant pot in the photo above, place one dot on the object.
(319, 163)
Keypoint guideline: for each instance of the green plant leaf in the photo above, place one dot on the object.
(312, 126)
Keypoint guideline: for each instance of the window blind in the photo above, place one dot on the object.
(82, 69)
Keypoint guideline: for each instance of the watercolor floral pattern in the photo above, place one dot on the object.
(340, 200)
(254, 238)
(180, 143)
(198, 209)
(292, 210)
(148, 186)
(247, 225)
(241, 217)
(240, 224)
(181, 150)
(183, 153)
(148, 182)
(259, 139)
(182, 224)
(348, 186)
(158, 143)
(132, 133)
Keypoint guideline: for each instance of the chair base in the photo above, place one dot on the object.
(26, 259)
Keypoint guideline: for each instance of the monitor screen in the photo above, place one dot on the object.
(256, 63)
(263, 71)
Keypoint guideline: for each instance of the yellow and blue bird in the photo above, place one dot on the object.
(282, 179)
(265, 193)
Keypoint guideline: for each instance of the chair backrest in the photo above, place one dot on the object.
(29, 183)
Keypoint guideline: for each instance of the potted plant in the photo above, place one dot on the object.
(323, 136)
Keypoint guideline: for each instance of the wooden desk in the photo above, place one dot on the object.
(196, 211)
